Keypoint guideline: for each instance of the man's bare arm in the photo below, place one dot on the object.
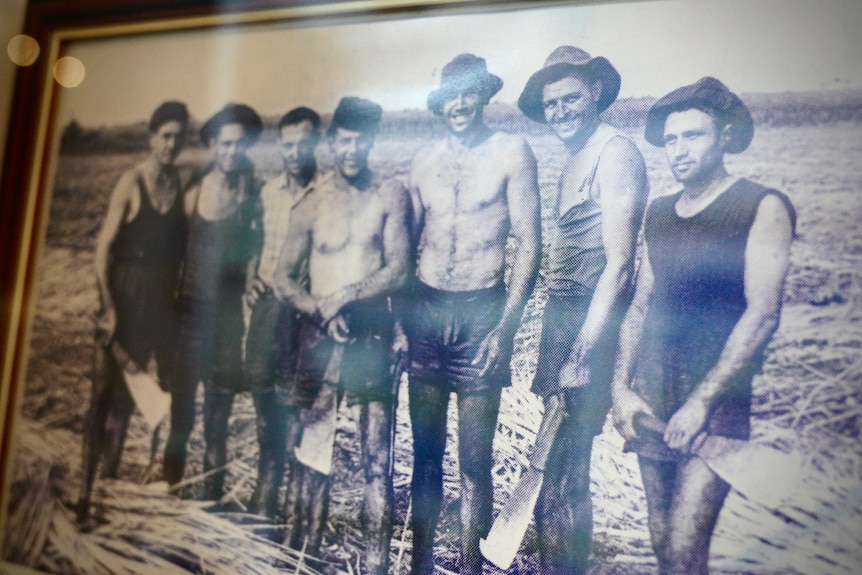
(767, 257)
(417, 219)
(626, 403)
(396, 250)
(297, 246)
(623, 189)
(522, 193)
(118, 207)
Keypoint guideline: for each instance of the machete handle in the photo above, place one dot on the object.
(646, 422)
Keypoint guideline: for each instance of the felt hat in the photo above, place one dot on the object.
(715, 96)
(357, 114)
(563, 62)
(233, 114)
(465, 73)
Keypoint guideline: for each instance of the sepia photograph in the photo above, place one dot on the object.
(436, 287)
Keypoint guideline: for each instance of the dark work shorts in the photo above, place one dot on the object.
(365, 373)
(561, 324)
(445, 330)
(271, 347)
(146, 312)
(209, 346)
(664, 379)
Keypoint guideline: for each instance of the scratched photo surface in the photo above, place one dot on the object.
(798, 67)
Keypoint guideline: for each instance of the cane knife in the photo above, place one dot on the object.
(758, 472)
(507, 532)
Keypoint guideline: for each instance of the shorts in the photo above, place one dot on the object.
(209, 346)
(445, 331)
(561, 325)
(365, 372)
(146, 312)
(271, 348)
(665, 378)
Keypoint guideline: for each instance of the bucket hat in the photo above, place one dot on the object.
(712, 94)
(562, 62)
(465, 72)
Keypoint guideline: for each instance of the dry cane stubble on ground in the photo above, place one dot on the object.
(808, 398)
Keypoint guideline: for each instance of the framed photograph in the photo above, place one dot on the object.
(183, 440)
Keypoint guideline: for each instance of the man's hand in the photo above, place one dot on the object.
(255, 291)
(686, 424)
(106, 325)
(337, 329)
(575, 372)
(492, 350)
(329, 306)
(627, 404)
(123, 359)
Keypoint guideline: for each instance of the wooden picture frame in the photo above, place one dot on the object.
(809, 396)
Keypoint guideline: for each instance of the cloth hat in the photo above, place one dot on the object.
(563, 62)
(357, 114)
(715, 96)
(465, 73)
(233, 114)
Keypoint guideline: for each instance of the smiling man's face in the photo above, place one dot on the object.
(570, 106)
(463, 111)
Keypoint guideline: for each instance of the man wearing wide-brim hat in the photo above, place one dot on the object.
(223, 241)
(472, 190)
(707, 302)
(600, 203)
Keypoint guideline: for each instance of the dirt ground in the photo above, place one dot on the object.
(807, 399)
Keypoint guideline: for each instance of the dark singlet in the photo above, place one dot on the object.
(219, 251)
(152, 239)
(576, 258)
(699, 291)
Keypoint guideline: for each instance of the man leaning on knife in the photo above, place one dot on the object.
(600, 204)
(707, 301)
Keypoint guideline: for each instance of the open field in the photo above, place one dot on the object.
(808, 397)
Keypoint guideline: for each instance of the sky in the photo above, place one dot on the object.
(657, 45)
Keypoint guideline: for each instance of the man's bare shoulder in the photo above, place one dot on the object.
(128, 180)
(509, 147)
(429, 155)
(619, 150)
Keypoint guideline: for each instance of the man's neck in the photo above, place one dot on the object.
(302, 179)
(360, 181)
(577, 142)
(225, 181)
(470, 138)
(711, 184)
(156, 169)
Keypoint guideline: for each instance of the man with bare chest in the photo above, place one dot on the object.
(470, 192)
(353, 233)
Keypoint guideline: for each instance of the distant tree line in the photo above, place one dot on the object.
(783, 109)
